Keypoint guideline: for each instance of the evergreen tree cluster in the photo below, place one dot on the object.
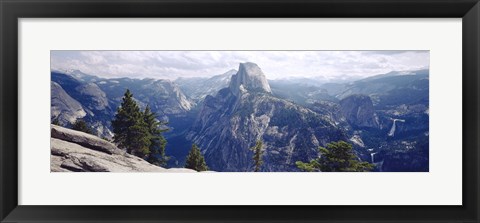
(195, 160)
(139, 133)
(336, 157)
(81, 125)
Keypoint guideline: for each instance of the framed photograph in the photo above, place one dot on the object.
(228, 111)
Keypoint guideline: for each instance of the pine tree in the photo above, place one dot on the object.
(337, 157)
(195, 160)
(157, 141)
(81, 125)
(257, 155)
(129, 128)
(140, 141)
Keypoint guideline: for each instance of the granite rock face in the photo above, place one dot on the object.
(96, 99)
(231, 122)
(163, 96)
(63, 107)
(73, 151)
(249, 78)
(359, 111)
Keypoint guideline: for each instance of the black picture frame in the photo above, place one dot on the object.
(12, 10)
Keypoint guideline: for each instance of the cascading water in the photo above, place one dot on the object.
(392, 130)
(373, 157)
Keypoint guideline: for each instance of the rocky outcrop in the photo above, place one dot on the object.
(73, 151)
(359, 111)
(94, 97)
(249, 78)
(165, 96)
(63, 107)
(230, 123)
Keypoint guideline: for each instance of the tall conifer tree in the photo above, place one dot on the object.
(157, 141)
(195, 160)
(129, 128)
(257, 155)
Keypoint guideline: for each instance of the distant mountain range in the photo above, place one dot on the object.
(198, 88)
(99, 98)
(225, 115)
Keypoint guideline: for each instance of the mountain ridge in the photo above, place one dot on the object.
(226, 117)
(230, 122)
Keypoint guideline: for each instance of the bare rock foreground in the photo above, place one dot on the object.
(74, 151)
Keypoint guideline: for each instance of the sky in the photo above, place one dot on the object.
(274, 64)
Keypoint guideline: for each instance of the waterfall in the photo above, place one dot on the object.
(373, 156)
(392, 130)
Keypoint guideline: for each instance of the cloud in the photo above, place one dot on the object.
(393, 52)
(275, 64)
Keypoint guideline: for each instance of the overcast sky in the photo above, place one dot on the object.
(275, 64)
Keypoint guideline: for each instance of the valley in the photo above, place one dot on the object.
(384, 117)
